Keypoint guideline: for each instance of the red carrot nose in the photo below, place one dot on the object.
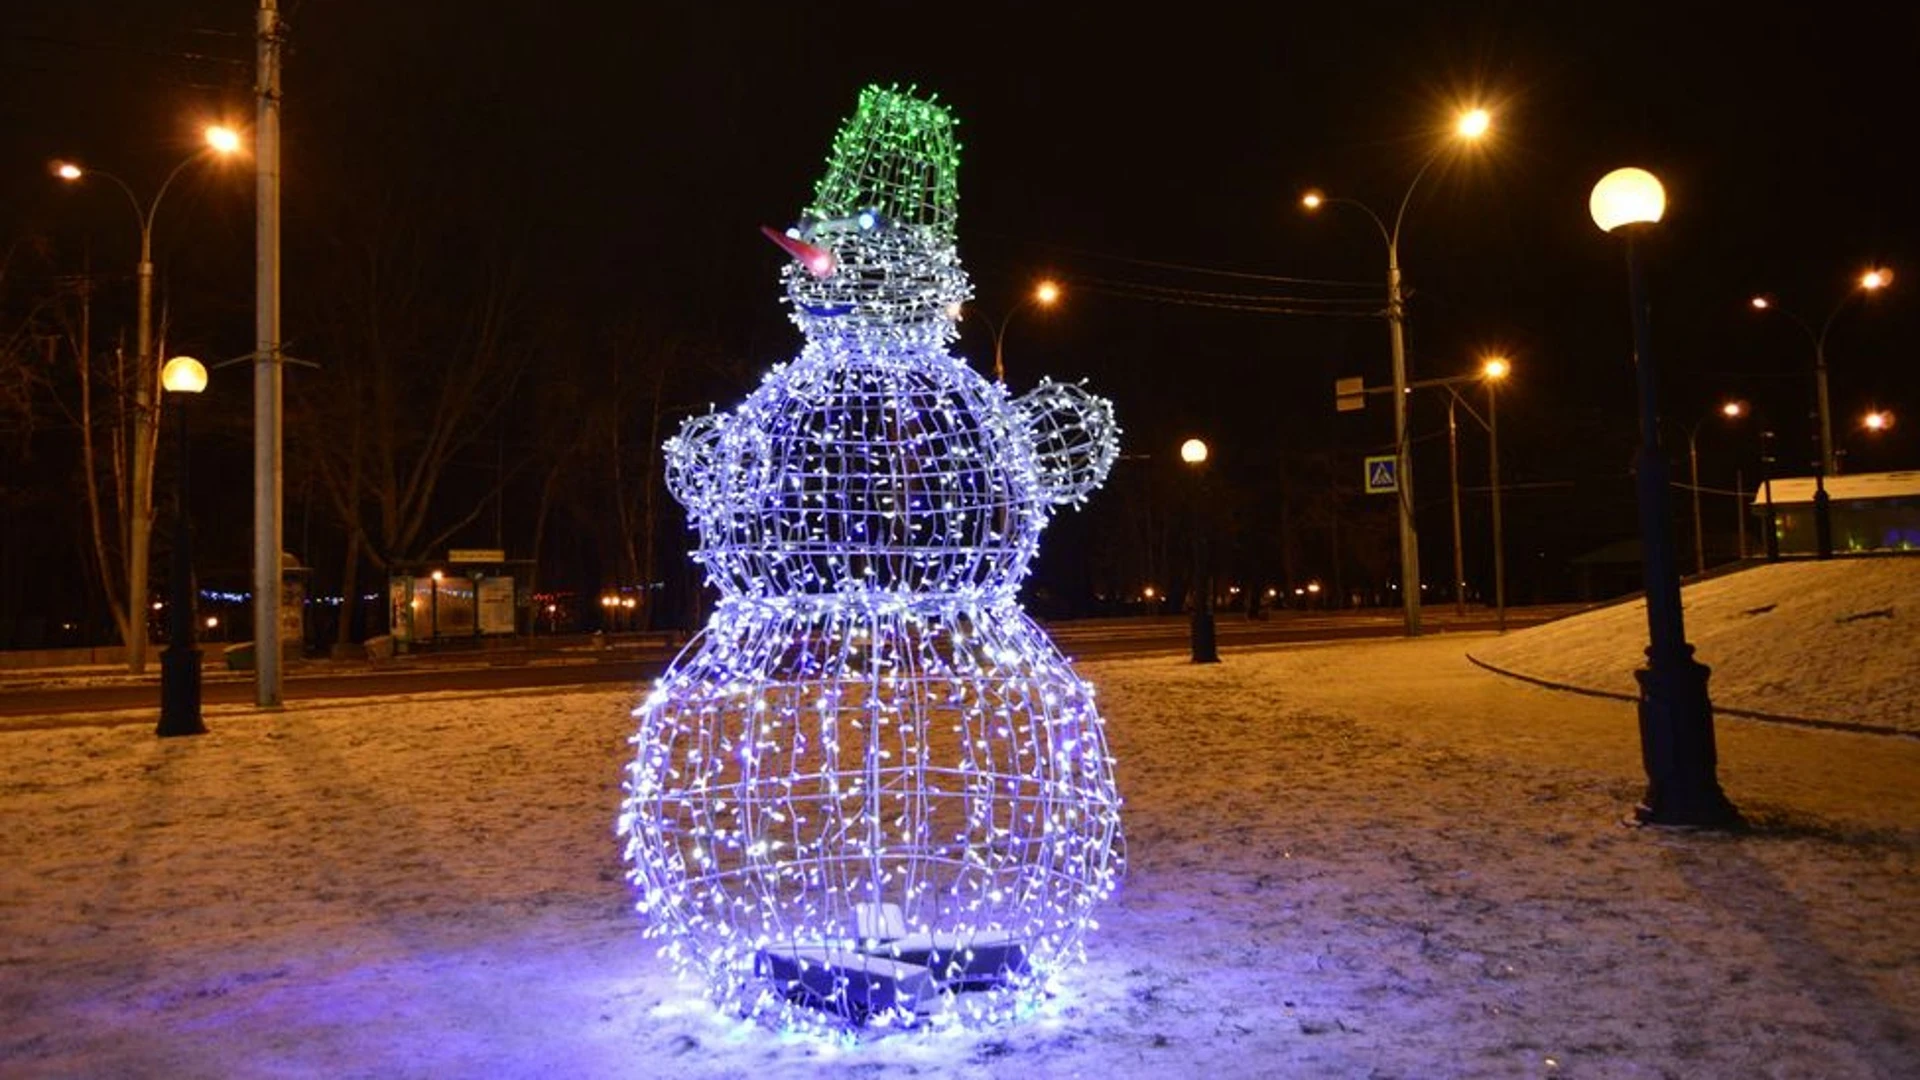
(817, 260)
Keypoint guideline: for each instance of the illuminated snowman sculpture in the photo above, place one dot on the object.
(871, 791)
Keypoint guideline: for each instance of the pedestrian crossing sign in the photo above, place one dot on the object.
(1383, 474)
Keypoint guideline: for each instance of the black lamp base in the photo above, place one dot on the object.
(180, 693)
(1676, 739)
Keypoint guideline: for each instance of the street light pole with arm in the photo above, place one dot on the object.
(1045, 294)
(220, 141)
(1829, 463)
(1732, 410)
(1471, 125)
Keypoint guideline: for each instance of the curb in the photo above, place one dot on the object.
(1745, 714)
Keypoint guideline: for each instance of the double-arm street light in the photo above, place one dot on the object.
(1732, 410)
(184, 377)
(1676, 716)
(221, 142)
(1470, 126)
(1201, 636)
(1869, 281)
(1044, 295)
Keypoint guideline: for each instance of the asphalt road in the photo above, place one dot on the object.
(24, 702)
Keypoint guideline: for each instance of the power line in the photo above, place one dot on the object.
(1205, 270)
(1248, 302)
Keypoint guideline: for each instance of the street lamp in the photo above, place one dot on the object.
(1877, 420)
(220, 141)
(180, 663)
(1869, 281)
(1201, 638)
(1676, 716)
(1470, 126)
(1045, 295)
(1732, 410)
(1492, 370)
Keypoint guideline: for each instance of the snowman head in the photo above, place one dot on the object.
(875, 260)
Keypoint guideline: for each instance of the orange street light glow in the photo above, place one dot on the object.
(1761, 303)
(1733, 410)
(1046, 293)
(1474, 123)
(1312, 200)
(1496, 367)
(1876, 279)
(223, 139)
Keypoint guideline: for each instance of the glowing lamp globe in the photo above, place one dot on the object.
(183, 375)
(1627, 197)
(870, 792)
(1193, 451)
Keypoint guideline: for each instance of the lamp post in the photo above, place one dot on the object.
(1470, 126)
(1770, 519)
(1492, 370)
(1200, 637)
(180, 663)
(1045, 294)
(220, 141)
(1676, 715)
(1870, 281)
(1732, 410)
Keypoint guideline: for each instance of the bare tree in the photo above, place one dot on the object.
(418, 354)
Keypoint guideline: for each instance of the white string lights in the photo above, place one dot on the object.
(871, 791)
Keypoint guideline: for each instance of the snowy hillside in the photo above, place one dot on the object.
(1836, 641)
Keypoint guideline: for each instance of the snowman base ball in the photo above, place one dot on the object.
(876, 814)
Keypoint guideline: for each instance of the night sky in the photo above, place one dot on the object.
(1152, 163)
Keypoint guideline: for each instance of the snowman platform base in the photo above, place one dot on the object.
(910, 975)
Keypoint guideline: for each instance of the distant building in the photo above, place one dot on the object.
(1870, 512)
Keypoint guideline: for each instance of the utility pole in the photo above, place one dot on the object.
(140, 502)
(268, 464)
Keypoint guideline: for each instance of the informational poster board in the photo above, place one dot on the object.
(400, 608)
(496, 604)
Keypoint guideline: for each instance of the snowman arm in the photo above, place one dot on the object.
(1075, 438)
(692, 455)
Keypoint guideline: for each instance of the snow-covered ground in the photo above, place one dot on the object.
(1363, 860)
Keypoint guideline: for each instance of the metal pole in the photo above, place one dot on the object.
(1493, 479)
(1822, 503)
(268, 464)
(1740, 511)
(180, 663)
(1453, 475)
(1693, 474)
(1676, 715)
(1829, 464)
(140, 495)
(1201, 633)
(1766, 482)
(1403, 461)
